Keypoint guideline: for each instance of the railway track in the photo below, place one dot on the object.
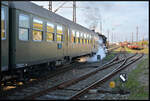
(123, 51)
(78, 93)
(64, 89)
(105, 78)
(14, 83)
(48, 75)
(111, 49)
(69, 82)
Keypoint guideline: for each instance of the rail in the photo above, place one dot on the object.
(73, 81)
(104, 79)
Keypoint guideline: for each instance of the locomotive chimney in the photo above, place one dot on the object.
(93, 30)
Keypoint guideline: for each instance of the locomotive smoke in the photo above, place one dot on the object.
(100, 52)
(92, 17)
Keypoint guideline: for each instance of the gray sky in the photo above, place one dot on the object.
(119, 17)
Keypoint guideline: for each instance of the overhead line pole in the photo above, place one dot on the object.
(60, 7)
(100, 26)
(108, 35)
(50, 5)
(112, 37)
(108, 39)
(100, 23)
(137, 34)
(132, 37)
(74, 11)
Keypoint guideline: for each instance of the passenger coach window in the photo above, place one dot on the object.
(3, 24)
(24, 27)
(90, 39)
(37, 30)
(84, 38)
(73, 36)
(87, 38)
(81, 36)
(77, 37)
(50, 32)
(59, 33)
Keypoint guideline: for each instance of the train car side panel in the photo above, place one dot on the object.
(4, 36)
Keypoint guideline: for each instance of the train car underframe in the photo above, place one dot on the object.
(25, 73)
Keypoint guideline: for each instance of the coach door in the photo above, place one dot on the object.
(60, 41)
(66, 41)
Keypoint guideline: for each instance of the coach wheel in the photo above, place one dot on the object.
(68, 59)
(22, 77)
(49, 66)
(52, 65)
(1, 77)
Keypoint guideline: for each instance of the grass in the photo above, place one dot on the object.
(138, 91)
(145, 50)
(137, 88)
(109, 56)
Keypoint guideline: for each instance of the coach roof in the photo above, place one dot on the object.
(5, 3)
(37, 10)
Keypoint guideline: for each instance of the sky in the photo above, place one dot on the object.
(119, 18)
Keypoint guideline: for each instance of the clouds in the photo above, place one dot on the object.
(122, 16)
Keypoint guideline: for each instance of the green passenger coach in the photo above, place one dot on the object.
(35, 36)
